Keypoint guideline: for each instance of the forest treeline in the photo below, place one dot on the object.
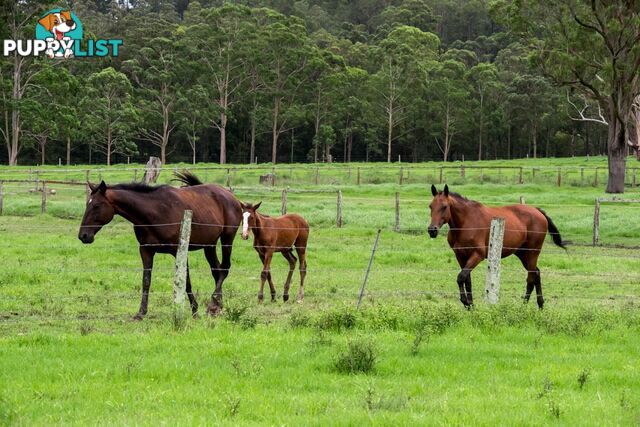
(285, 80)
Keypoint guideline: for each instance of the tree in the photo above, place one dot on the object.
(113, 117)
(593, 48)
(17, 73)
(484, 80)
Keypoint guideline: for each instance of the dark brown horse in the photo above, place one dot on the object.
(156, 214)
(283, 234)
(469, 224)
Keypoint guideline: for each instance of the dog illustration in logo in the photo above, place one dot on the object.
(58, 24)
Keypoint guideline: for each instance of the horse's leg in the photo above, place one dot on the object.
(263, 276)
(192, 300)
(147, 265)
(268, 256)
(464, 277)
(292, 266)
(301, 249)
(226, 240)
(529, 260)
(211, 253)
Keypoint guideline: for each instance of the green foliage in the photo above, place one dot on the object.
(359, 356)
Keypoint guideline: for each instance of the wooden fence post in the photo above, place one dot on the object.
(135, 175)
(86, 175)
(496, 237)
(317, 172)
(366, 274)
(358, 176)
(595, 179)
(520, 178)
(1, 196)
(462, 171)
(283, 208)
(397, 227)
(43, 205)
(596, 223)
(229, 178)
(581, 176)
(401, 175)
(180, 277)
(559, 179)
(37, 180)
(533, 174)
(339, 210)
(88, 191)
(633, 182)
(522, 200)
(481, 175)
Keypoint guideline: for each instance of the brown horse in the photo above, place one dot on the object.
(469, 223)
(282, 234)
(156, 214)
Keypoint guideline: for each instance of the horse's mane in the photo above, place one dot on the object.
(187, 178)
(461, 198)
(138, 187)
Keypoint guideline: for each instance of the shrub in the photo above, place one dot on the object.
(359, 357)
(337, 319)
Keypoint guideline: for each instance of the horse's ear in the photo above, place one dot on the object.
(446, 190)
(434, 190)
(92, 187)
(256, 206)
(102, 187)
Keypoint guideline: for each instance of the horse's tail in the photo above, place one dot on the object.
(555, 233)
(187, 178)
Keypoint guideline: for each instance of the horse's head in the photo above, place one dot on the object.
(248, 218)
(440, 210)
(99, 211)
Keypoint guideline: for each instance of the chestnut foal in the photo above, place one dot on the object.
(282, 234)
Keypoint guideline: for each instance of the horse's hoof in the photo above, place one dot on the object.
(138, 317)
(285, 298)
(260, 300)
(299, 300)
(214, 310)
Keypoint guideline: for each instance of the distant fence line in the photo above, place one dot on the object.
(43, 187)
(355, 175)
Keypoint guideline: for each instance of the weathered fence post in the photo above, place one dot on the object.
(180, 278)
(401, 175)
(152, 170)
(441, 170)
(397, 227)
(358, 176)
(520, 177)
(339, 210)
(595, 179)
(37, 180)
(596, 223)
(317, 172)
(496, 236)
(462, 171)
(86, 175)
(581, 176)
(229, 178)
(522, 200)
(559, 179)
(135, 174)
(283, 208)
(1, 196)
(533, 174)
(43, 205)
(366, 274)
(633, 182)
(481, 175)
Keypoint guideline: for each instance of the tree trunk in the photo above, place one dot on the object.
(109, 142)
(389, 129)
(509, 142)
(223, 138)
(534, 141)
(481, 126)
(349, 148)
(274, 130)
(316, 129)
(68, 151)
(616, 150)
(43, 145)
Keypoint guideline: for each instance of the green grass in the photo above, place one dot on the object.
(71, 355)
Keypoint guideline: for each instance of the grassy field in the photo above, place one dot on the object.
(71, 355)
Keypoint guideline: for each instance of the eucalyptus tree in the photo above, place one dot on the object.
(113, 118)
(405, 57)
(220, 41)
(483, 78)
(591, 46)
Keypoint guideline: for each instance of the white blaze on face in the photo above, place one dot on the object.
(245, 225)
